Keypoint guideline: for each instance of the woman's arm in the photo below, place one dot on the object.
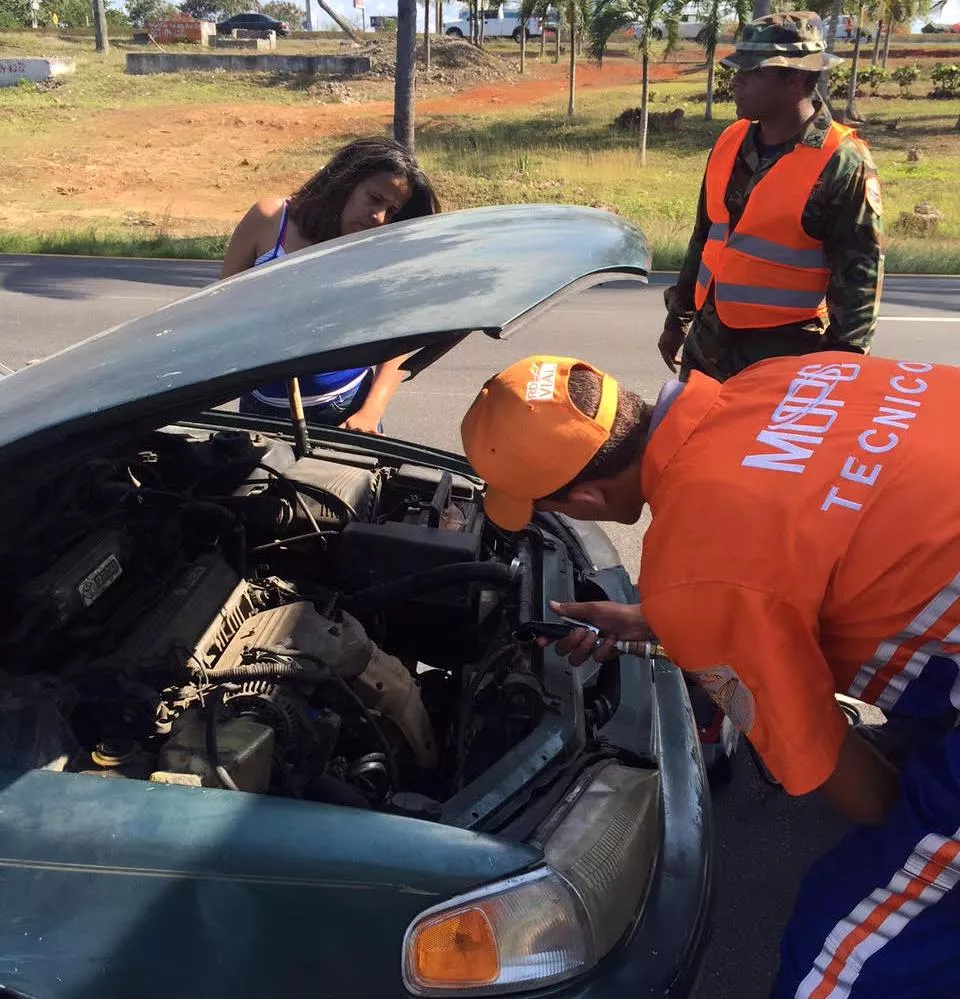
(248, 239)
(386, 380)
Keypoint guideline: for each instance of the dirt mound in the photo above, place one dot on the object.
(657, 121)
(455, 53)
(453, 62)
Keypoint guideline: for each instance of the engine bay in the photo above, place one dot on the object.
(206, 609)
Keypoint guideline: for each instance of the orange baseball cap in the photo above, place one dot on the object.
(526, 438)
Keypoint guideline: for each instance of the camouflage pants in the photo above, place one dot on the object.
(722, 353)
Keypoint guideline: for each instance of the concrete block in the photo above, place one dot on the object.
(269, 35)
(12, 71)
(141, 63)
(255, 44)
(247, 44)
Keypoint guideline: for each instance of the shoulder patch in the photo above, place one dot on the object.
(874, 198)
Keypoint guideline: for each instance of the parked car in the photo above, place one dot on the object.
(253, 21)
(496, 24)
(271, 721)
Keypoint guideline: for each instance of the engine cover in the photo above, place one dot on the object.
(207, 600)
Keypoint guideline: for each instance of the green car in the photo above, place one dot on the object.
(272, 719)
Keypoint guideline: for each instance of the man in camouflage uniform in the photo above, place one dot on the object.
(778, 62)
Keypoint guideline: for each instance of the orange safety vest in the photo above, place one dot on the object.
(767, 271)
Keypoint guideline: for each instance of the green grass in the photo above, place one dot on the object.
(528, 154)
(98, 243)
(100, 82)
(546, 156)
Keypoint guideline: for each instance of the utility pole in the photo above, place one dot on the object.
(308, 10)
(100, 26)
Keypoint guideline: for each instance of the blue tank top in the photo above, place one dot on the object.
(316, 390)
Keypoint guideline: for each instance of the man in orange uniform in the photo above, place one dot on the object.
(805, 541)
(786, 255)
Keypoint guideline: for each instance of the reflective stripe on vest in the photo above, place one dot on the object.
(768, 271)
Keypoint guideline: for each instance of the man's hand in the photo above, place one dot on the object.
(369, 423)
(617, 623)
(669, 345)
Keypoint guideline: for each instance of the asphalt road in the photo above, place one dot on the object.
(764, 840)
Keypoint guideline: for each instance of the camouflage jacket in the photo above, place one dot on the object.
(843, 212)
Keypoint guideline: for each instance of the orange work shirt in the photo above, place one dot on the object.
(805, 541)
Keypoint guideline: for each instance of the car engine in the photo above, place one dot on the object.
(206, 609)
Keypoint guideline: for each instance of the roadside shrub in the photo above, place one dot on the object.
(723, 83)
(873, 77)
(839, 81)
(9, 21)
(946, 81)
(906, 77)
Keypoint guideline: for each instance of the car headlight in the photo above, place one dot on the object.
(554, 922)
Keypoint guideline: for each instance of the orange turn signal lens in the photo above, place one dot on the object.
(456, 950)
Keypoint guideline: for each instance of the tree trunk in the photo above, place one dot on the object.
(439, 18)
(100, 26)
(308, 11)
(426, 33)
(481, 25)
(404, 85)
(343, 25)
(523, 46)
(556, 54)
(711, 72)
(543, 37)
(761, 8)
(853, 112)
(644, 95)
(886, 43)
(571, 103)
(876, 43)
(824, 85)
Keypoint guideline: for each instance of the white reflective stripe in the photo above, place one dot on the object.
(310, 400)
(785, 298)
(919, 626)
(777, 253)
(718, 230)
(881, 916)
(894, 690)
(704, 275)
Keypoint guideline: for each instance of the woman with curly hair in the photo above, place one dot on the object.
(368, 183)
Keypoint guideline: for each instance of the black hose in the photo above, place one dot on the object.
(213, 751)
(265, 669)
(397, 590)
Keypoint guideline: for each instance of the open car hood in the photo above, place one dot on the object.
(419, 286)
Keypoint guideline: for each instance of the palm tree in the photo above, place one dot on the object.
(604, 18)
(646, 14)
(893, 13)
(714, 12)
(403, 90)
